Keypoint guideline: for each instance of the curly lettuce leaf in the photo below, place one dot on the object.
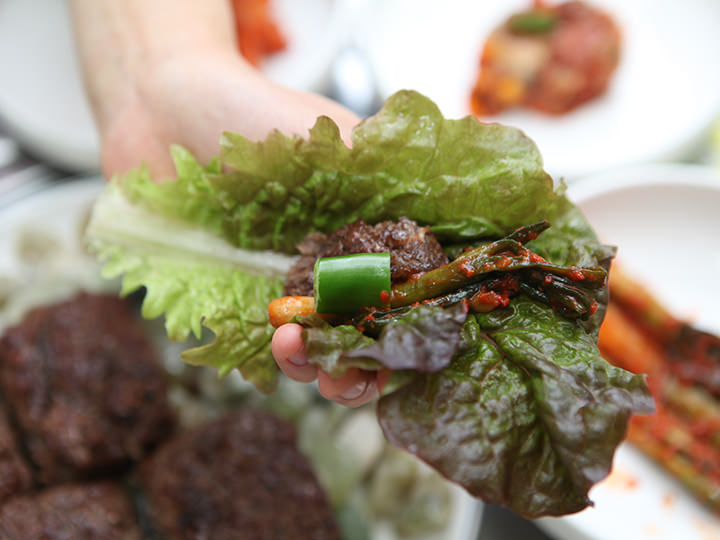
(326, 346)
(408, 160)
(188, 199)
(423, 340)
(528, 415)
(228, 302)
(190, 275)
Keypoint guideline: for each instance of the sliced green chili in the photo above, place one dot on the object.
(532, 22)
(347, 284)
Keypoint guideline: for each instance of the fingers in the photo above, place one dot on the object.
(353, 389)
(289, 352)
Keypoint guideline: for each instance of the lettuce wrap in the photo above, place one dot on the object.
(527, 414)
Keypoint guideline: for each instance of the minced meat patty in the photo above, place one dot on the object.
(99, 511)
(15, 475)
(413, 250)
(86, 389)
(240, 476)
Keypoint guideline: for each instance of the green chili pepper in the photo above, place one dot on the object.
(349, 283)
(532, 22)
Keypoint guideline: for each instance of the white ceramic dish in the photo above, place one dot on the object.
(315, 31)
(42, 101)
(665, 221)
(60, 212)
(662, 101)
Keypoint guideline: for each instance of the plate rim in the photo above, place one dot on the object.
(644, 175)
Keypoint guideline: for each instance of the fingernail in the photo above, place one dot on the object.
(355, 391)
(298, 360)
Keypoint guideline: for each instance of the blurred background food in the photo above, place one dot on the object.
(550, 57)
(661, 104)
(660, 217)
(644, 116)
(683, 367)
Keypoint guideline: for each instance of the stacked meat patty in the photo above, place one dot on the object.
(238, 477)
(83, 405)
(96, 511)
(85, 388)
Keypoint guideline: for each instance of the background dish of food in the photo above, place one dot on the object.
(664, 220)
(646, 115)
(47, 226)
(42, 102)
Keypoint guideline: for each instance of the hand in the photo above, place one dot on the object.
(191, 99)
(161, 73)
(353, 389)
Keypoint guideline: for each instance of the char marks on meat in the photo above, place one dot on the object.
(413, 250)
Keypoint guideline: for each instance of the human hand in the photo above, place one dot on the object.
(150, 90)
(353, 389)
(161, 73)
(192, 98)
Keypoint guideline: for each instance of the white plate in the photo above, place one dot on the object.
(42, 101)
(662, 101)
(665, 221)
(315, 31)
(59, 212)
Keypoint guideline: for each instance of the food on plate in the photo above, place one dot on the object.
(15, 475)
(236, 474)
(526, 413)
(683, 367)
(86, 390)
(258, 34)
(96, 511)
(551, 58)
